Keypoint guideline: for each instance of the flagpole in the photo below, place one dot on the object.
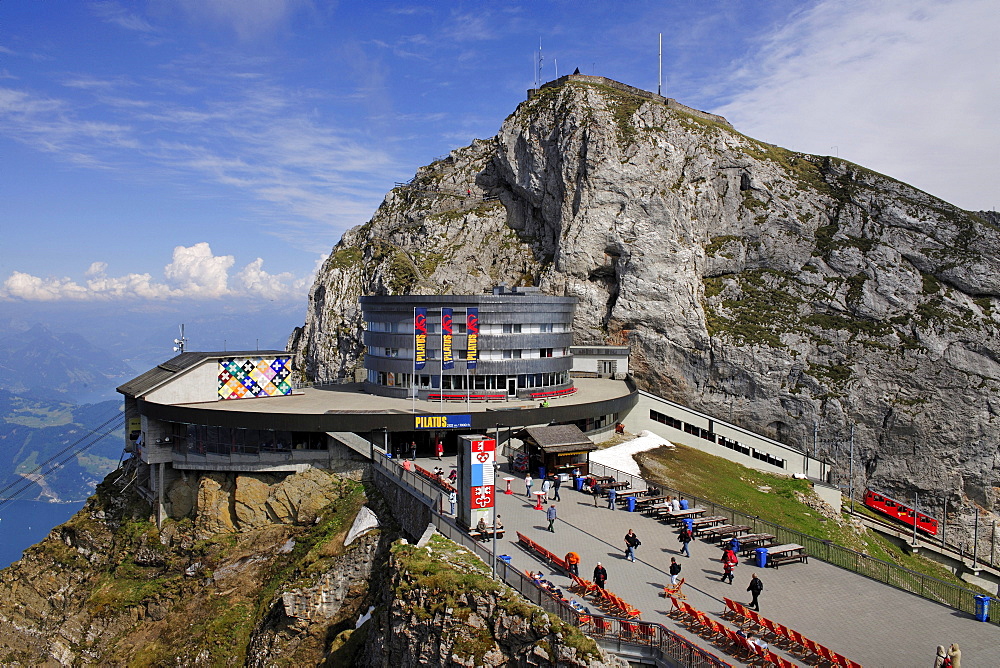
(413, 376)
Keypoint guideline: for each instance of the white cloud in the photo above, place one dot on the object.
(194, 273)
(900, 87)
(247, 18)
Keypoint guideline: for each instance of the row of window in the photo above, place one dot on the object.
(458, 382)
(459, 327)
(202, 439)
(463, 353)
(695, 430)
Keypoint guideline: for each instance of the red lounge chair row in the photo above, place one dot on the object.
(553, 393)
(726, 638)
(793, 640)
(433, 478)
(543, 553)
(609, 602)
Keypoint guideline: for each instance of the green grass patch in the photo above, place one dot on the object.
(727, 483)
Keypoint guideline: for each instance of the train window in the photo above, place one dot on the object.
(890, 504)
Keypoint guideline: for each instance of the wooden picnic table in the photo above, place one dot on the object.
(784, 553)
(649, 501)
(685, 514)
(752, 541)
(630, 493)
(656, 509)
(711, 521)
(616, 485)
(725, 531)
(602, 479)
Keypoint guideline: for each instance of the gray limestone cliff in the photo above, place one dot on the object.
(772, 288)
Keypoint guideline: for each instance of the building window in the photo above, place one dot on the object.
(392, 352)
(545, 352)
(545, 327)
(512, 354)
(511, 328)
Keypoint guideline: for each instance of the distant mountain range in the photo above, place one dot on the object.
(39, 362)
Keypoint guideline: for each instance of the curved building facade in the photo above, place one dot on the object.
(508, 344)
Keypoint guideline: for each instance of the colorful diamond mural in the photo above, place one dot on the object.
(248, 377)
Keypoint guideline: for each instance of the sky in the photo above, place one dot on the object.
(195, 160)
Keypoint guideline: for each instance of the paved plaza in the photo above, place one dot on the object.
(867, 621)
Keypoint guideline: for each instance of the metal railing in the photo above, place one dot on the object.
(674, 647)
(927, 586)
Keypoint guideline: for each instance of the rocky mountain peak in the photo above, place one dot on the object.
(773, 288)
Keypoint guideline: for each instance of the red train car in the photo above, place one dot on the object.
(900, 512)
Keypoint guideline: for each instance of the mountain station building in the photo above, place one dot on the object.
(436, 368)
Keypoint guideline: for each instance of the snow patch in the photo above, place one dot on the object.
(621, 456)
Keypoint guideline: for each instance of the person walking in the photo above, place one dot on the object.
(675, 570)
(528, 482)
(555, 487)
(600, 575)
(727, 569)
(573, 561)
(631, 542)
(685, 538)
(595, 489)
(612, 495)
(546, 484)
(755, 588)
(413, 449)
(550, 515)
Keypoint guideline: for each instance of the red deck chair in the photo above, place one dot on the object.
(732, 611)
(826, 654)
(840, 660)
(647, 634)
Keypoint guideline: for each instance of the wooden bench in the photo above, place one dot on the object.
(776, 560)
(459, 396)
(486, 534)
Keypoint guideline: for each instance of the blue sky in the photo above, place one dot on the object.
(196, 156)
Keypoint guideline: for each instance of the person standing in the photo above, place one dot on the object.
(675, 570)
(595, 489)
(546, 484)
(550, 515)
(755, 588)
(452, 499)
(600, 575)
(528, 482)
(631, 542)
(573, 561)
(955, 654)
(612, 495)
(685, 538)
(439, 449)
(413, 449)
(940, 657)
(555, 488)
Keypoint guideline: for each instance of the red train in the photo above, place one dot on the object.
(900, 512)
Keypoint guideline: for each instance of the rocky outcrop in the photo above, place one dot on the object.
(776, 289)
(443, 609)
(231, 584)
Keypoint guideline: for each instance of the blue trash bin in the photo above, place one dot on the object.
(630, 503)
(504, 558)
(684, 504)
(578, 483)
(760, 557)
(982, 607)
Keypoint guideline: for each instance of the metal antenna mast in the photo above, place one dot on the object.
(181, 343)
(659, 78)
(541, 59)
